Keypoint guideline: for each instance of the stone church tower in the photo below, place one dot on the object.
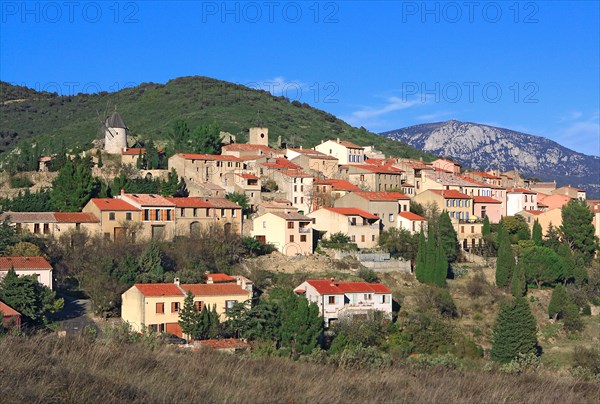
(115, 134)
(259, 136)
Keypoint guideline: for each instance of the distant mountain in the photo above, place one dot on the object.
(486, 147)
(150, 109)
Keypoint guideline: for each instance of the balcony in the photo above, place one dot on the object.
(304, 229)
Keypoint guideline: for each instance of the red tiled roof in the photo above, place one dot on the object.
(159, 289)
(326, 287)
(378, 169)
(252, 157)
(220, 277)
(227, 343)
(519, 191)
(29, 217)
(248, 147)
(485, 199)
(24, 263)
(220, 289)
(75, 217)
(411, 216)
(382, 196)
(113, 204)
(450, 194)
(534, 212)
(222, 203)
(281, 163)
(6, 310)
(133, 151)
(190, 202)
(150, 199)
(484, 175)
(192, 156)
(353, 212)
(248, 176)
(347, 144)
(340, 185)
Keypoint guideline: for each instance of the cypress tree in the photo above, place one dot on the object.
(568, 262)
(505, 263)
(430, 257)
(577, 228)
(448, 237)
(536, 233)
(518, 283)
(514, 332)
(139, 163)
(420, 266)
(558, 302)
(485, 230)
(440, 267)
(189, 317)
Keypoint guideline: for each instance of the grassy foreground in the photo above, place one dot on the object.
(50, 369)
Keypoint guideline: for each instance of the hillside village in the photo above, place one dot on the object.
(339, 200)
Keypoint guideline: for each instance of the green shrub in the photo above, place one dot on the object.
(478, 285)
(587, 310)
(367, 274)
(20, 182)
(425, 362)
(439, 300)
(359, 357)
(522, 363)
(587, 359)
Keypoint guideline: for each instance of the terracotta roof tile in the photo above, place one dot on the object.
(150, 200)
(29, 217)
(133, 151)
(219, 277)
(411, 216)
(109, 204)
(485, 199)
(337, 185)
(75, 217)
(450, 194)
(327, 287)
(190, 202)
(6, 310)
(353, 212)
(24, 263)
(220, 289)
(227, 343)
(381, 196)
(159, 289)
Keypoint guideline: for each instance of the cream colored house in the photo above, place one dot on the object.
(202, 168)
(117, 217)
(28, 266)
(156, 306)
(545, 218)
(249, 185)
(568, 190)
(327, 191)
(52, 224)
(385, 205)
(157, 214)
(375, 178)
(458, 205)
(337, 300)
(412, 222)
(345, 152)
(362, 227)
(518, 199)
(313, 161)
(192, 215)
(130, 155)
(297, 186)
(290, 233)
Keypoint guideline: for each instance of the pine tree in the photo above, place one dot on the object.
(171, 186)
(485, 230)
(74, 186)
(577, 228)
(536, 233)
(514, 332)
(139, 163)
(552, 240)
(421, 264)
(558, 302)
(568, 263)
(189, 318)
(214, 327)
(505, 263)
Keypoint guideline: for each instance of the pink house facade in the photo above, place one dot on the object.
(486, 206)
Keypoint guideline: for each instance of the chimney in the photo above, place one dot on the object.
(176, 281)
(300, 147)
(332, 279)
(338, 139)
(122, 191)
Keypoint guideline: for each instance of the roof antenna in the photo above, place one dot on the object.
(258, 121)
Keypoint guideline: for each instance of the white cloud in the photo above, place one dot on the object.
(571, 116)
(434, 116)
(582, 135)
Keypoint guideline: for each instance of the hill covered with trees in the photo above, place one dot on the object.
(150, 110)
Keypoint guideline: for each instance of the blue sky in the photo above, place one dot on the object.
(527, 66)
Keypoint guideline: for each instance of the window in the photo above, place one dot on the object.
(222, 212)
(331, 299)
(472, 229)
(385, 299)
(291, 238)
(157, 214)
(391, 217)
(146, 214)
(372, 237)
(353, 238)
(36, 228)
(295, 188)
(160, 308)
(182, 212)
(111, 216)
(128, 216)
(229, 304)
(233, 214)
(174, 307)
(462, 229)
(303, 238)
(368, 296)
(198, 305)
(78, 226)
(290, 225)
(264, 224)
(362, 238)
(46, 228)
(169, 214)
